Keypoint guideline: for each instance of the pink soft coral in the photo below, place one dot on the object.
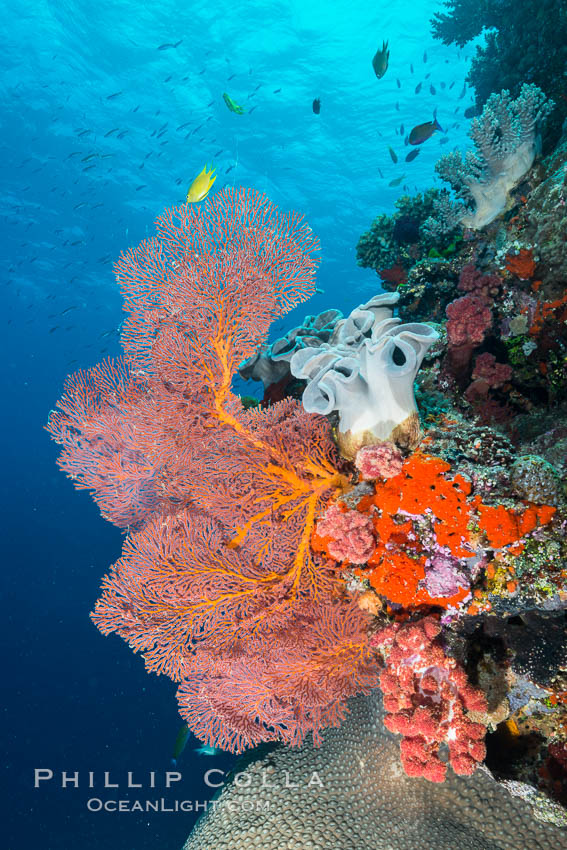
(427, 695)
(482, 285)
(350, 532)
(381, 460)
(469, 319)
(487, 369)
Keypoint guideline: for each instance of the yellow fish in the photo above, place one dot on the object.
(201, 186)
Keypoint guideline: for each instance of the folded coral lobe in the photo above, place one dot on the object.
(366, 373)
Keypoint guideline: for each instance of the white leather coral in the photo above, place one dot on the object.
(366, 373)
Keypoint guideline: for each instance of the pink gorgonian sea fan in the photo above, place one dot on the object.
(218, 574)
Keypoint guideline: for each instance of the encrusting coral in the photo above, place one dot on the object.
(431, 534)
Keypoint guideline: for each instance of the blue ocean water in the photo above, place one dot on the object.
(109, 110)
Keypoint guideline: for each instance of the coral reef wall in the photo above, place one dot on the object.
(525, 43)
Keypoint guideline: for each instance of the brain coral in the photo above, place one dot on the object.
(364, 801)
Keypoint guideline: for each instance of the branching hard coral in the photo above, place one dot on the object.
(366, 373)
(505, 143)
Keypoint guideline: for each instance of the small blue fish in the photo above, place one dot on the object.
(207, 751)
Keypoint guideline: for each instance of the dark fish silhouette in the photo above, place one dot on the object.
(422, 132)
(393, 154)
(316, 105)
(412, 155)
(380, 60)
